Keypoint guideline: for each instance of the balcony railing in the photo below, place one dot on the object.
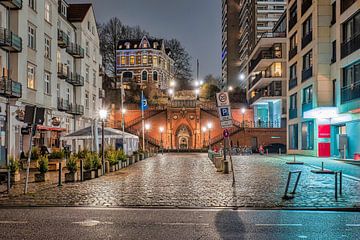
(307, 106)
(10, 41)
(63, 39)
(292, 113)
(63, 105)
(350, 46)
(263, 93)
(76, 109)
(345, 4)
(306, 39)
(305, 6)
(351, 92)
(75, 79)
(264, 54)
(10, 88)
(292, 22)
(62, 71)
(12, 4)
(306, 74)
(75, 50)
(292, 52)
(259, 76)
(292, 83)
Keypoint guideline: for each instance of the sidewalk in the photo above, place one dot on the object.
(330, 164)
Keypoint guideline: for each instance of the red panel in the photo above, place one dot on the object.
(324, 149)
(324, 131)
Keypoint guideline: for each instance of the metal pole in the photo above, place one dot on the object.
(296, 183)
(102, 145)
(142, 121)
(122, 113)
(243, 115)
(60, 173)
(232, 167)
(209, 140)
(81, 170)
(7, 143)
(336, 185)
(287, 185)
(29, 155)
(341, 182)
(162, 146)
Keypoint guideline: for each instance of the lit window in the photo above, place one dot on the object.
(47, 86)
(31, 76)
(47, 47)
(155, 61)
(123, 61)
(132, 60)
(145, 59)
(47, 11)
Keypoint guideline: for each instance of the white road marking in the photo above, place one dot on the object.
(302, 236)
(13, 222)
(91, 223)
(353, 225)
(279, 224)
(184, 224)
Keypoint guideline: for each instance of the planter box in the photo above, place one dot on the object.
(137, 157)
(98, 172)
(70, 177)
(141, 156)
(94, 173)
(41, 177)
(87, 175)
(112, 168)
(119, 165)
(127, 162)
(15, 177)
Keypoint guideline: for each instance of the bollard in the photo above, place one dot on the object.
(322, 166)
(344, 151)
(81, 170)
(336, 186)
(60, 173)
(107, 167)
(267, 151)
(294, 159)
(226, 167)
(279, 151)
(340, 182)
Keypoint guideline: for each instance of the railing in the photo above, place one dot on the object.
(10, 40)
(10, 88)
(307, 106)
(75, 50)
(63, 39)
(306, 4)
(264, 54)
(147, 114)
(345, 4)
(263, 93)
(76, 109)
(183, 103)
(306, 74)
(62, 71)
(12, 4)
(292, 22)
(306, 39)
(271, 35)
(76, 80)
(292, 83)
(351, 92)
(350, 46)
(63, 105)
(292, 113)
(292, 52)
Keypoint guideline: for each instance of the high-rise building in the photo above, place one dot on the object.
(324, 79)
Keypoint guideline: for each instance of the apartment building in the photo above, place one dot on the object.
(57, 67)
(323, 79)
(266, 81)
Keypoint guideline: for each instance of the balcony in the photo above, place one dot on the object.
(266, 94)
(349, 93)
(10, 88)
(9, 41)
(292, 113)
(101, 93)
(63, 39)
(292, 83)
(345, 4)
(305, 6)
(76, 109)
(292, 22)
(264, 54)
(63, 105)
(76, 80)
(268, 78)
(75, 50)
(306, 39)
(306, 74)
(62, 71)
(12, 4)
(292, 52)
(350, 46)
(307, 106)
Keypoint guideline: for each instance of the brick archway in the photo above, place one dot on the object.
(183, 136)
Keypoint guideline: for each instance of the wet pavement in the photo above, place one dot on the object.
(191, 180)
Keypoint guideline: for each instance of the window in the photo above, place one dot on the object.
(155, 61)
(293, 71)
(307, 61)
(307, 135)
(155, 76)
(94, 102)
(87, 48)
(145, 59)
(307, 95)
(127, 75)
(293, 12)
(30, 76)
(123, 60)
(293, 41)
(87, 73)
(94, 78)
(132, 60)
(31, 37)
(48, 11)
(307, 26)
(68, 95)
(351, 28)
(63, 10)
(351, 75)
(333, 57)
(94, 54)
(47, 47)
(144, 76)
(293, 136)
(88, 24)
(293, 101)
(87, 99)
(32, 4)
(333, 13)
(47, 86)
(58, 90)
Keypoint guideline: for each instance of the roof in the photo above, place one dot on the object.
(86, 133)
(77, 12)
(136, 43)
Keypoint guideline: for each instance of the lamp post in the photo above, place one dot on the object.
(230, 88)
(103, 115)
(197, 91)
(147, 127)
(209, 126)
(123, 111)
(204, 131)
(243, 110)
(161, 139)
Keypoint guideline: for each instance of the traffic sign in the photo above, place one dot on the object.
(226, 124)
(222, 99)
(225, 113)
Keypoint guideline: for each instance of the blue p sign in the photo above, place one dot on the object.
(224, 112)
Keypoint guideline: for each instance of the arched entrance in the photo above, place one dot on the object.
(183, 137)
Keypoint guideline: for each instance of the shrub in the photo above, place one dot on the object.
(71, 164)
(112, 157)
(87, 161)
(35, 153)
(121, 156)
(82, 154)
(13, 164)
(43, 164)
(56, 155)
(95, 161)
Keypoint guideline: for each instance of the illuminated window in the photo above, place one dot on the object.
(276, 70)
(132, 60)
(155, 60)
(47, 11)
(123, 61)
(145, 59)
(31, 76)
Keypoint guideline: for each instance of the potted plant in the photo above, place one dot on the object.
(122, 158)
(96, 165)
(87, 165)
(54, 159)
(43, 167)
(71, 165)
(112, 157)
(136, 155)
(14, 169)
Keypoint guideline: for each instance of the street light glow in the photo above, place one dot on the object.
(123, 111)
(201, 82)
(161, 129)
(171, 91)
(196, 83)
(204, 129)
(230, 88)
(103, 114)
(209, 125)
(242, 76)
(197, 91)
(172, 83)
(243, 110)
(147, 126)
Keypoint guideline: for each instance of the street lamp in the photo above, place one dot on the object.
(103, 115)
(161, 139)
(243, 110)
(209, 126)
(201, 82)
(147, 127)
(204, 131)
(196, 83)
(242, 76)
(230, 88)
(123, 111)
(172, 84)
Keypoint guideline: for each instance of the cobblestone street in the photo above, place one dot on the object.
(191, 180)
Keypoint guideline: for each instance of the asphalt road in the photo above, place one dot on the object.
(120, 223)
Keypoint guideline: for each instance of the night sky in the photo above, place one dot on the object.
(196, 23)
